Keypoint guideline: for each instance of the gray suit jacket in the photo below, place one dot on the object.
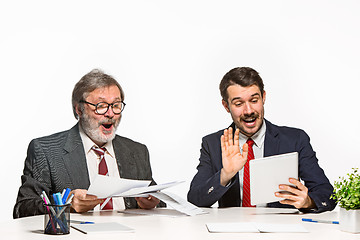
(58, 161)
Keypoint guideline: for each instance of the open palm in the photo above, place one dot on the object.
(232, 159)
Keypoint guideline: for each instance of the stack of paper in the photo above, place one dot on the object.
(104, 187)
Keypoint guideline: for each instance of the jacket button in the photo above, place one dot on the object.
(210, 190)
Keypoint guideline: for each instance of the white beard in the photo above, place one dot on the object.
(91, 128)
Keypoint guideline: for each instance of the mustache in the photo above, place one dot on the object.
(108, 121)
(250, 116)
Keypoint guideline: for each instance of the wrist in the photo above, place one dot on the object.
(225, 178)
(310, 203)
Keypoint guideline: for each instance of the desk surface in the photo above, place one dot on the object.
(165, 227)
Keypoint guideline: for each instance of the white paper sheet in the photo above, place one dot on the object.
(232, 227)
(280, 228)
(178, 203)
(165, 212)
(104, 187)
(253, 227)
(142, 191)
(106, 227)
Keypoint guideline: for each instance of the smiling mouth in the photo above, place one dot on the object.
(249, 120)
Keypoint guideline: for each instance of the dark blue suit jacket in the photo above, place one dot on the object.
(205, 188)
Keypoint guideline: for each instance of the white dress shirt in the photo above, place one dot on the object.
(93, 160)
(258, 149)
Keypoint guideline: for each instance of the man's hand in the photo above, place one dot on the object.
(297, 196)
(232, 160)
(147, 202)
(83, 202)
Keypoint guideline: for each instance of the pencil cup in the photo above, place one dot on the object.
(57, 219)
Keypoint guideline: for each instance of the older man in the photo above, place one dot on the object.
(223, 171)
(73, 158)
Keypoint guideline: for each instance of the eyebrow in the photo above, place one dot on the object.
(103, 99)
(239, 98)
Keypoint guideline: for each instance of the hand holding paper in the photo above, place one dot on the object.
(147, 196)
(104, 187)
(83, 202)
(147, 202)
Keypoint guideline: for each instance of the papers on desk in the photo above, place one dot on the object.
(254, 227)
(104, 187)
(163, 212)
(178, 203)
(106, 227)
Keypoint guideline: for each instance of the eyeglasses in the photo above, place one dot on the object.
(102, 107)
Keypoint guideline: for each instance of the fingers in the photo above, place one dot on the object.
(236, 138)
(147, 202)
(296, 196)
(298, 184)
(222, 142)
(231, 139)
(83, 202)
(245, 150)
(227, 138)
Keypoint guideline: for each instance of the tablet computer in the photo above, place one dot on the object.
(267, 173)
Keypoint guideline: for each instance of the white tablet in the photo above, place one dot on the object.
(267, 173)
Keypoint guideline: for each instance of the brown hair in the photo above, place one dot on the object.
(243, 76)
(88, 83)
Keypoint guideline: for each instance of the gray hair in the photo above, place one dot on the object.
(88, 83)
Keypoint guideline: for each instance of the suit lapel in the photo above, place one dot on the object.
(125, 159)
(126, 165)
(74, 159)
(271, 145)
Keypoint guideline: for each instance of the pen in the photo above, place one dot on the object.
(319, 221)
(81, 222)
(70, 198)
(79, 230)
(68, 201)
(51, 221)
(65, 194)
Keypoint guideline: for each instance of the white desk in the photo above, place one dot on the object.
(165, 227)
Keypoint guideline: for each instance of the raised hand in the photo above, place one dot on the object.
(232, 159)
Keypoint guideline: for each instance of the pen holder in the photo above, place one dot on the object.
(57, 219)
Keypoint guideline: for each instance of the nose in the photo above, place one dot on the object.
(248, 109)
(109, 113)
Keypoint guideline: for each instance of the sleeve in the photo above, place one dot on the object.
(319, 187)
(205, 188)
(35, 179)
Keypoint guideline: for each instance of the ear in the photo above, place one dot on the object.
(264, 97)
(226, 106)
(78, 110)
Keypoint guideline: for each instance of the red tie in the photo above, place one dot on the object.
(246, 183)
(103, 170)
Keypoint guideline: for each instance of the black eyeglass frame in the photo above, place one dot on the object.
(108, 105)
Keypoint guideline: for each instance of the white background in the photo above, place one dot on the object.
(170, 56)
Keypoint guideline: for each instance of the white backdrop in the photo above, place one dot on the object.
(170, 56)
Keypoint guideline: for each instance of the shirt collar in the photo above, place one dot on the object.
(258, 137)
(88, 143)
